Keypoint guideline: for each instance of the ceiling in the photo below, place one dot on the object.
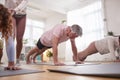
(46, 8)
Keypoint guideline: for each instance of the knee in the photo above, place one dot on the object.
(19, 39)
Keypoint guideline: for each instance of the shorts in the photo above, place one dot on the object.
(40, 45)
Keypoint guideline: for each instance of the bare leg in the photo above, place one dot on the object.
(42, 58)
(88, 51)
(39, 53)
(1, 54)
(20, 29)
(32, 51)
(34, 57)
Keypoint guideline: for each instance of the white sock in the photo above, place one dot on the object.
(17, 61)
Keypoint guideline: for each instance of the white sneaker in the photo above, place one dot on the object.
(17, 62)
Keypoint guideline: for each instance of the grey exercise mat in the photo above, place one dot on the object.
(4, 73)
(105, 70)
(66, 63)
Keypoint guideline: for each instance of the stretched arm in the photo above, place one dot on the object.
(55, 51)
(74, 49)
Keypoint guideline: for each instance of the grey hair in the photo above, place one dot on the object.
(77, 29)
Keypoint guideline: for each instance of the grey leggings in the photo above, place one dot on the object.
(10, 49)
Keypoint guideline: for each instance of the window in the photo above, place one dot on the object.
(33, 31)
(91, 21)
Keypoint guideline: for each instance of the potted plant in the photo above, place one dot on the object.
(110, 33)
(34, 41)
(25, 41)
(63, 21)
(49, 54)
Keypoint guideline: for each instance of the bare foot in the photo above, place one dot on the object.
(28, 60)
(34, 61)
(12, 68)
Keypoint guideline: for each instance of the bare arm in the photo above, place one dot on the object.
(55, 51)
(74, 49)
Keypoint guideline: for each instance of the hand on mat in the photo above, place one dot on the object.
(59, 64)
(78, 62)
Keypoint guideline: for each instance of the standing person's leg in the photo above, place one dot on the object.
(1, 54)
(20, 29)
(91, 49)
(1, 50)
(10, 51)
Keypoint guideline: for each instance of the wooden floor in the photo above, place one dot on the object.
(51, 75)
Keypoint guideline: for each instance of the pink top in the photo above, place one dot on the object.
(58, 31)
(18, 5)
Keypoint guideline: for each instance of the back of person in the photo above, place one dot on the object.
(58, 31)
(103, 45)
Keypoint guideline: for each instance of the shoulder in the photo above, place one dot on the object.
(61, 25)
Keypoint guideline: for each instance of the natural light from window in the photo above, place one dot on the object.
(91, 21)
(33, 31)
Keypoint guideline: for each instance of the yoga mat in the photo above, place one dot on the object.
(66, 63)
(4, 73)
(103, 70)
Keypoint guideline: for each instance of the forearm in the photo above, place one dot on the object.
(55, 55)
(75, 55)
(74, 50)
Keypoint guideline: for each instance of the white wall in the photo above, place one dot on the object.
(112, 15)
(49, 23)
(112, 23)
(54, 19)
(2, 1)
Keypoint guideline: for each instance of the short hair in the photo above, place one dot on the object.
(77, 29)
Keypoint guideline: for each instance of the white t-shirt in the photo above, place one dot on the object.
(18, 5)
(107, 45)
